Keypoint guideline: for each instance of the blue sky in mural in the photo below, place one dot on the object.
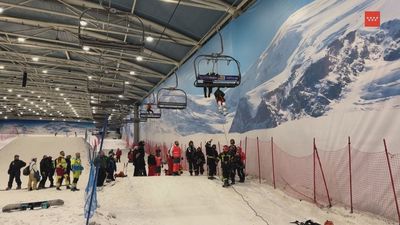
(263, 18)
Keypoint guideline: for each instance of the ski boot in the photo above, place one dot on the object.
(226, 184)
(18, 187)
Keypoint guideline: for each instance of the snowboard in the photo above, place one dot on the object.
(32, 205)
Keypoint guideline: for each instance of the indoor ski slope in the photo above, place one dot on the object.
(159, 200)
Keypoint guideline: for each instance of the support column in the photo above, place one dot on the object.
(136, 122)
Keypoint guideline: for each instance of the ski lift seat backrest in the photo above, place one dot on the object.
(171, 98)
(214, 78)
(149, 115)
(98, 19)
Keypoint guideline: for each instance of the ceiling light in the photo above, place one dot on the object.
(120, 96)
(52, 107)
(25, 99)
(139, 58)
(57, 88)
(32, 92)
(31, 103)
(35, 59)
(5, 117)
(24, 107)
(38, 96)
(19, 105)
(45, 110)
(52, 119)
(149, 39)
(5, 107)
(4, 97)
(61, 94)
(44, 100)
(9, 90)
(49, 104)
(1, 67)
(86, 48)
(83, 23)
(68, 103)
(91, 97)
(37, 113)
(40, 118)
(126, 82)
(65, 99)
(37, 106)
(21, 39)
(19, 96)
(92, 102)
(132, 73)
(1, 10)
(22, 113)
(44, 71)
(51, 114)
(90, 77)
(41, 108)
(63, 119)
(29, 110)
(1, 113)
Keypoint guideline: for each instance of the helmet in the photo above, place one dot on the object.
(232, 142)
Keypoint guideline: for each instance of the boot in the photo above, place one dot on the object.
(226, 184)
(18, 187)
(8, 188)
(191, 173)
(68, 187)
(58, 189)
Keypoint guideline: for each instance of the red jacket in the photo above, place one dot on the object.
(176, 151)
(118, 153)
(158, 160)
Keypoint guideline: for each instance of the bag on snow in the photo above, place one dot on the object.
(26, 171)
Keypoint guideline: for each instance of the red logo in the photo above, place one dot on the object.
(372, 19)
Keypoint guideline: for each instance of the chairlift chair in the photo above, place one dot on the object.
(217, 70)
(172, 97)
(115, 87)
(144, 113)
(99, 32)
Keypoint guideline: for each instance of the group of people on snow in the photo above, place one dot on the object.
(62, 167)
(107, 166)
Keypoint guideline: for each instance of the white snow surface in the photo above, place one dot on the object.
(159, 200)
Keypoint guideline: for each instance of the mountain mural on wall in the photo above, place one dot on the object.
(43, 127)
(312, 61)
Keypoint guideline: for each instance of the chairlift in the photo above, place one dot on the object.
(96, 30)
(171, 97)
(217, 70)
(114, 87)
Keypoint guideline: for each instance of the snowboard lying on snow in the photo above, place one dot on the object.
(32, 205)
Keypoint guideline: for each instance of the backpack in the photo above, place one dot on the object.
(26, 171)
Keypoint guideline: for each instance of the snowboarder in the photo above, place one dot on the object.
(212, 154)
(34, 176)
(220, 98)
(158, 162)
(118, 155)
(14, 172)
(190, 151)
(199, 161)
(61, 168)
(225, 158)
(138, 159)
(175, 152)
(151, 163)
(101, 163)
(76, 167)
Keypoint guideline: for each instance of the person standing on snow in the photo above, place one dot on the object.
(158, 159)
(44, 171)
(67, 175)
(176, 153)
(111, 167)
(51, 167)
(238, 165)
(190, 152)
(76, 167)
(101, 163)
(118, 155)
(61, 168)
(212, 154)
(139, 162)
(14, 172)
(151, 164)
(225, 158)
(199, 161)
(33, 175)
(232, 151)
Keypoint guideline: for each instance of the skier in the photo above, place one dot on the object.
(33, 175)
(101, 163)
(225, 158)
(61, 168)
(212, 154)
(220, 98)
(232, 151)
(111, 167)
(158, 162)
(14, 170)
(190, 151)
(76, 167)
(118, 155)
(151, 162)
(149, 108)
(199, 161)
(175, 153)
(140, 164)
(67, 175)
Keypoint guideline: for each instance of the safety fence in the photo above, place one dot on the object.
(350, 177)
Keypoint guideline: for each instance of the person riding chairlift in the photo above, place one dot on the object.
(220, 98)
(148, 108)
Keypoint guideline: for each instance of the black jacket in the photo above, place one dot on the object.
(199, 158)
(15, 166)
(225, 159)
(151, 160)
(190, 152)
(68, 170)
(139, 157)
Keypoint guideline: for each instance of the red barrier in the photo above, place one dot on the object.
(273, 162)
(391, 179)
(323, 174)
(258, 157)
(351, 183)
